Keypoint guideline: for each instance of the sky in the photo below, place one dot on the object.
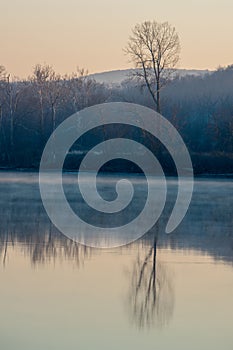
(91, 34)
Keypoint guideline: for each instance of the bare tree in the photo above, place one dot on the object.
(12, 98)
(9, 95)
(53, 94)
(75, 86)
(154, 49)
(48, 85)
(11, 91)
(40, 77)
(83, 91)
(2, 86)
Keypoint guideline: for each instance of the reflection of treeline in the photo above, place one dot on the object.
(151, 295)
(43, 243)
(201, 108)
(27, 227)
(43, 247)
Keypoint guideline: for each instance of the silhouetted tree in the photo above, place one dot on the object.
(154, 48)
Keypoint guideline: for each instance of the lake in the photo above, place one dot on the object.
(163, 291)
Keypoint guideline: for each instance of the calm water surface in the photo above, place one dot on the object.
(161, 292)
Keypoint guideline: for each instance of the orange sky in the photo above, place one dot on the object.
(92, 33)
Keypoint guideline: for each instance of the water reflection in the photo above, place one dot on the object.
(43, 247)
(151, 297)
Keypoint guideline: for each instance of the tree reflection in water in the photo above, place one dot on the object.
(151, 294)
(43, 246)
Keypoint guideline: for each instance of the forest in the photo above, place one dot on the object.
(200, 107)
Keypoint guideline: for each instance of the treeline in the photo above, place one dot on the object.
(201, 108)
(31, 109)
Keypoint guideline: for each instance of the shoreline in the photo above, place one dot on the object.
(68, 171)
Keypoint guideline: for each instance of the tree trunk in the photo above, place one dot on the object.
(158, 96)
(41, 117)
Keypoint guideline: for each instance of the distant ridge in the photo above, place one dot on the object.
(117, 76)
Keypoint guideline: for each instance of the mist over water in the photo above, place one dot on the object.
(164, 289)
